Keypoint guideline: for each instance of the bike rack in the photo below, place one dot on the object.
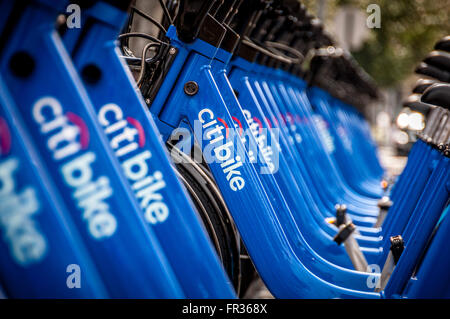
(240, 141)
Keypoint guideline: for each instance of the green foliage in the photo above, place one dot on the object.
(409, 29)
(408, 32)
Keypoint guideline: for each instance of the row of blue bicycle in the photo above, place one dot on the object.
(230, 145)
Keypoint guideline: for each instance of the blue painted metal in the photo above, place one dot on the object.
(39, 240)
(418, 188)
(247, 198)
(164, 202)
(417, 233)
(62, 123)
(433, 270)
(279, 200)
(320, 99)
(295, 224)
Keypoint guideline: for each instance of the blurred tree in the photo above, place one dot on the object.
(408, 32)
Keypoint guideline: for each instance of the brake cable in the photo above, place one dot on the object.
(274, 46)
(148, 17)
(144, 61)
(166, 11)
(140, 35)
(259, 48)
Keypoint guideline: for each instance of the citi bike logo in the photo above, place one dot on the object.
(256, 128)
(127, 138)
(26, 243)
(342, 132)
(68, 140)
(292, 121)
(325, 135)
(224, 153)
(230, 145)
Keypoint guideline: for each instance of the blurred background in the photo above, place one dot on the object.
(388, 39)
(388, 50)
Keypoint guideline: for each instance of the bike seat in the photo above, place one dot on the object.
(422, 85)
(415, 104)
(439, 59)
(443, 44)
(433, 72)
(437, 94)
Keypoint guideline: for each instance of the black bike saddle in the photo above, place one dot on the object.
(433, 72)
(422, 85)
(443, 44)
(414, 103)
(439, 59)
(438, 94)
